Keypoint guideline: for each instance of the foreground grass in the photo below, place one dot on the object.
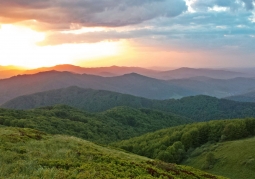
(234, 159)
(27, 153)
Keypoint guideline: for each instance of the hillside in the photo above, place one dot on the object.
(113, 125)
(180, 144)
(198, 108)
(27, 153)
(237, 156)
(247, 97)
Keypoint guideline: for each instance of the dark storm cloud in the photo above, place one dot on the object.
(109, 13)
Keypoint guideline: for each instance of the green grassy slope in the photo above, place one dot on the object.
(27, 153)
(233, 159)
(115, 124)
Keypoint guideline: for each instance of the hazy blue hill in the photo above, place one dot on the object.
(193, 72)
(247, 97)
(216, 87)
(27, 153)
(115, 124)
(198, 108)
(137, 84)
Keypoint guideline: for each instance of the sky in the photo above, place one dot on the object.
(144, 33)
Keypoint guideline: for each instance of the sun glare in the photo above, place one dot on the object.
(17, 44)
(18, 47)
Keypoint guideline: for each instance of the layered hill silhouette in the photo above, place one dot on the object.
(118, 71)
(199, 108)
(132, 83)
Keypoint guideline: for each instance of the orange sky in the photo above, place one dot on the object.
(90, 34)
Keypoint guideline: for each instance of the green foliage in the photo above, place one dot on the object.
(27, 153)
(209, 161)
(174, 144)
(113, 125)
(205, 108)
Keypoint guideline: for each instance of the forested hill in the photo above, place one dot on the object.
(87, 99)
(200, 145)
(113, 125)
(161, 144)
(198, 108)
(204, 108)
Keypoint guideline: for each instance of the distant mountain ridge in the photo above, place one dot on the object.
(121, 70)
(198, 108)
(216, 87)
(134, 84)
(193, 72)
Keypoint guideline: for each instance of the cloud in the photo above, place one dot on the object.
(231, 4)
(190, 31)
(249, 4)
(109, 13)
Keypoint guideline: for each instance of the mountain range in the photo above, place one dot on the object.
(133, 84)
(9, 71)
(198, 108)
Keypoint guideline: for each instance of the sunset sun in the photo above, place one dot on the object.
(19, 47)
